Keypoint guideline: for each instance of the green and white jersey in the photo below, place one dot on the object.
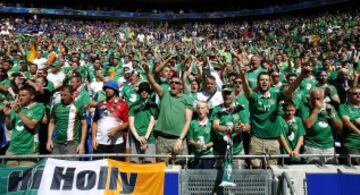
(129, 94)
(263, 112)
(142, 112)
(201, 134)
(292, 130)
(7, 83)
(23, 139)
(67, 122)
(307, 84)
(352, 139)
(226, 117)
(82, 96)
(320, 135)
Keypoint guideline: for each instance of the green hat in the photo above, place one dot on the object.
(227, 87)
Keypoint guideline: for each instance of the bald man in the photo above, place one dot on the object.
(321, 122)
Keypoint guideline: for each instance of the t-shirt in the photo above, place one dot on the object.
(67, 122)
(263, 112)
(307, 84)
(201, 134)
(291, 130)
(24, 140)
(172, 113)
(129, 94)
(226, 117)
(108, 115)
(7, 83)
(142, 112)
(320, 135)
(352, 139)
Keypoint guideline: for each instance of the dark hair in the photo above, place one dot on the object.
(67, 88)
(288, 103)
(144, 86)
(28, 88)
(290, 75)
(263, 73)
(320, 71)
(211, 77)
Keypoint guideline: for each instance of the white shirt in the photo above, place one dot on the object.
(57, 79)
(40, 62)
(215, 100)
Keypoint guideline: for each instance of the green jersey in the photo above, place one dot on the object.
(129, 94)
(320, 135)
(23, 139)
(291, 130)
(307, 84)
(82, 98)
(352, 139)
(201, 134)
(142, 111)
(263, 112)
(6, 83)
(229, 117)
(67, 122)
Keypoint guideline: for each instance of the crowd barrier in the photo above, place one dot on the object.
(170, 16)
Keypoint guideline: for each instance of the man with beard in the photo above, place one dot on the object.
(263, 106)
(68, 120)
(110, 121)
(174, 118)
(23, 117)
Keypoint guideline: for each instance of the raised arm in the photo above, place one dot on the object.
(293, 86)
(245, 84)
(156, 87)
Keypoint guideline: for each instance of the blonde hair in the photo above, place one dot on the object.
(202, 103)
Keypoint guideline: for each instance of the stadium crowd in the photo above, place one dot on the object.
(283, 85)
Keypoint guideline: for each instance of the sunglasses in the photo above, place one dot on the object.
(356, 93)
(237, 82)
(175, 82)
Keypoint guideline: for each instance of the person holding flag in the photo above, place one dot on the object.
(229, 122)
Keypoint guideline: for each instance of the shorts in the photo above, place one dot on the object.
(136, 149)
(263, 146)
(312, 150)
(20, 162)
(166, 146)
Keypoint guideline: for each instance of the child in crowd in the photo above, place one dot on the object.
(200, 138)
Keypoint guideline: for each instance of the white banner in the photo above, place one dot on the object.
(74, 177)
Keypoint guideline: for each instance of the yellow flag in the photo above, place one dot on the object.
(136, 179)
(32, 54)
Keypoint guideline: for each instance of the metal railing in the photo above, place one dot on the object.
(264, 157)
(287, 183)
